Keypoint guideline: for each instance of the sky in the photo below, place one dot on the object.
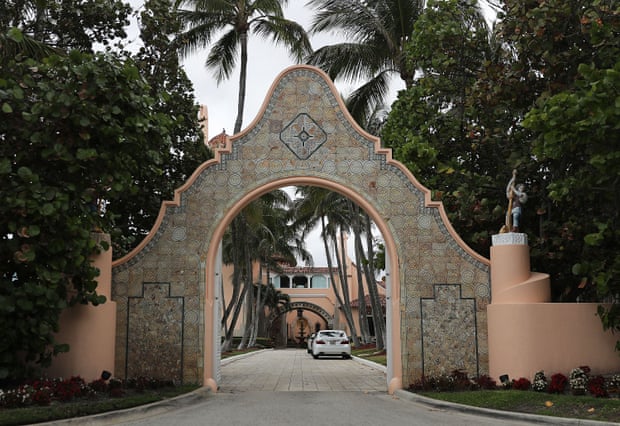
(265, 63)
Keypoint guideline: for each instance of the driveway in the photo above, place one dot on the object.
(284, 387)
(295, 370)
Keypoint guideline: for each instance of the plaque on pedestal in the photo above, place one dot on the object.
(509, 238)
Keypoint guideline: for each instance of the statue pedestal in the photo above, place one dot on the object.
(511, 278)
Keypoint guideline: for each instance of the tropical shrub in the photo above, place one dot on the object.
(558, 383)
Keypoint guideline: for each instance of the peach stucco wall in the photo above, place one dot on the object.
(89, 330)
(324, 298)
(553, 337)
(527, 334)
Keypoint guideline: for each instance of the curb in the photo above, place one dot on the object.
(371, 364)
(139, 412)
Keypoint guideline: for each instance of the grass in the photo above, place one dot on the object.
(79, 408)
(234, 352)
(569, 406)
(370, 353)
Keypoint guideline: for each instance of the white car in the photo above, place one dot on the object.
(331, 342)
(310, 340)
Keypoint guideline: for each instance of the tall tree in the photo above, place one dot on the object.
(74, 129)
(159, 64)
(233, 22)
(256, 235)
(552, 45)
(581, 127)
(434, 125)
(376, 33)
(68, 24)
(321, 207)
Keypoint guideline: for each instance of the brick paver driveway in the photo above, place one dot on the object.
(296, 370)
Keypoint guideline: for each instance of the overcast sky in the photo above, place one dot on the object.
(265, 62)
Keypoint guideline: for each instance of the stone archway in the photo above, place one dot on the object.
(305, 306)
(165, 290)
(329, 319)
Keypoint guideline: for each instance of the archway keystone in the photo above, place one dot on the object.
(304, 136)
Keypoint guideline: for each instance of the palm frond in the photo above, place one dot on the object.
(223, 56)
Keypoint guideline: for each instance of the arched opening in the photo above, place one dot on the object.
(176, 268)
(213, 265)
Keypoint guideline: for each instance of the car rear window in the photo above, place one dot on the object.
(333, 333)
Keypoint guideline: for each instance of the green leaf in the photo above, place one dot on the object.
(6, 108)
(5, 166)
(16, 35)
(47, 209)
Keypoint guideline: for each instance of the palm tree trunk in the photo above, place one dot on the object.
(259, 304)
(228, 338)
(375, 302)
(362, 315)
(354, 213)
(236, 279)
(243, 41)
(249, 302)
(344, 286)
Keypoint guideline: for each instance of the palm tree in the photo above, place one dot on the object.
(376, 32)
(257, 234)
(329, 209)
(15, 43)
(233, 21)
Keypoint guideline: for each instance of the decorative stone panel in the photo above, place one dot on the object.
(449, 332)
(155, 334)
(303, 133)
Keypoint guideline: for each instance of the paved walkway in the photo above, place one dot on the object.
(295, 370)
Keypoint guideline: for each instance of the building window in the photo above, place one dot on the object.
(300, 281)
(318, 281)
(281, 281)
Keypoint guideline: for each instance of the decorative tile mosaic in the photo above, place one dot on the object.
(302, 133)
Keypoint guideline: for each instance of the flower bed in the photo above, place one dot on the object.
(578, 382)
(47, 391)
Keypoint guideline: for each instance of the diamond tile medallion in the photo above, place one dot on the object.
(303, 136)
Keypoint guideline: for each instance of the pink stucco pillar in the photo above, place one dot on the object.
(89, 330)
(527, 333)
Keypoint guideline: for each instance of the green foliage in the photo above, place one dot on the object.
(435, 127)
(172, 92)
(374, 35)
(67, 24)
(579, 132)
(234, 23)
(540, 96)
(75, 130)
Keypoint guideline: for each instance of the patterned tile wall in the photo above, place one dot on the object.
(304, 133)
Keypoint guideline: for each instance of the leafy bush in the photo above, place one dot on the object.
(485, 382)
(540, 382)
(521, 384)
(45, 391)
(461, 380)
(597, 388)
(558, 383)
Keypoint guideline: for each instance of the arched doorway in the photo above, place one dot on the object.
(305, 327)
(437, 288)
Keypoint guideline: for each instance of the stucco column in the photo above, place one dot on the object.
(89, 330)
(511, 278)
